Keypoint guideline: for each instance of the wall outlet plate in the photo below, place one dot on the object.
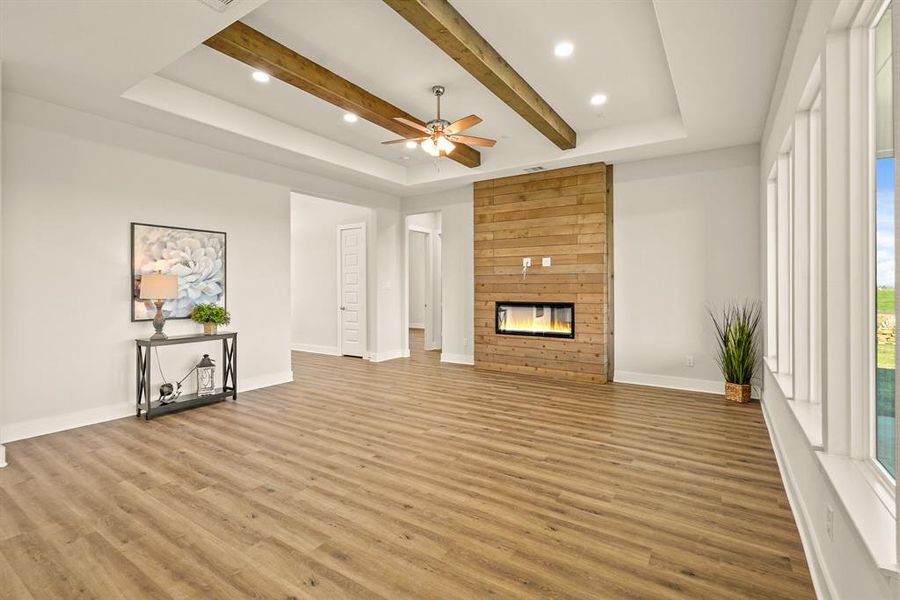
(545, 262)
(689, 360)
(526, 262)
(829, 522)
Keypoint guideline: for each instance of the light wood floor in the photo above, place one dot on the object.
(407, 479)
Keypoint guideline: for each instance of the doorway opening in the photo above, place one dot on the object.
(423, 318)
(329, 276)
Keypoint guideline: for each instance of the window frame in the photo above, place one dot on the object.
(877, 473)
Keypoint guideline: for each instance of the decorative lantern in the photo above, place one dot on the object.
(206, 376)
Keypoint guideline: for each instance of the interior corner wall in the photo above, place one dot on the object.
(686, 231)
(457, 266)
(67, 207)
(314, 267)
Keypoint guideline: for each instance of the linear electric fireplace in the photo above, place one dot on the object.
(541, 319)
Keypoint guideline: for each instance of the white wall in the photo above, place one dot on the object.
(67, 205)
(314, 264)
(457, 265)
(2, 449)
(417, 278)
(391, 318)
(686, 237)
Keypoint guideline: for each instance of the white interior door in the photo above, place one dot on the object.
(352, 289)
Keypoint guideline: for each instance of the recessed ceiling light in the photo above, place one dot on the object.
(598, 99)
(350, 118)
(411, 144)
(563, 49)
(261, 76)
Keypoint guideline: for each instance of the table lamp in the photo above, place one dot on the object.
(159, 288)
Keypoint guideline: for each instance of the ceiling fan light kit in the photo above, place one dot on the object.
(437, 136)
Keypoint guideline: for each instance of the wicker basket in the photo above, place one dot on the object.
(737, 392)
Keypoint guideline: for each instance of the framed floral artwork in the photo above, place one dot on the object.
(195, 256)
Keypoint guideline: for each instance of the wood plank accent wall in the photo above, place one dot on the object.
(564, 214)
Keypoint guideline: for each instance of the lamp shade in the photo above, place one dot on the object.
(156, 286)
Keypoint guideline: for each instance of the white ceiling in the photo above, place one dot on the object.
(681, 75)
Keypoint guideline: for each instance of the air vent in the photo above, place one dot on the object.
(219, 5)
(533, 169)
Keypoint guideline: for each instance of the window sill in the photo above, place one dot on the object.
(809, 417)
(807, 414)
(785, 381)
(868, 509)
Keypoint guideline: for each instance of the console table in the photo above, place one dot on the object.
(152, 408)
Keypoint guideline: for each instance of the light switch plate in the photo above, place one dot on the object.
(545, 262)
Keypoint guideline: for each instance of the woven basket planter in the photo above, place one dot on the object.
(737, 392)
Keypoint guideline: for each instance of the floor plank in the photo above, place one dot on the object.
(407, 479)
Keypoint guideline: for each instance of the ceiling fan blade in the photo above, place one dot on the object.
(472, 140)
(413, 124)
(464, 123)
(404, 140)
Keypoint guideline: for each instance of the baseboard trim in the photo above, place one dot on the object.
(266, 380)
(2, 457)
(668, 381)
(388, 355)
(457, 359)
(90, 416)
(100, 414)
(316, 349)
(817, 570)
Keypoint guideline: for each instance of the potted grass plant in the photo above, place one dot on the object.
(737, 351)
(210, 316)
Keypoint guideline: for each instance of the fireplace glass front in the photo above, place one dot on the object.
(542, 319)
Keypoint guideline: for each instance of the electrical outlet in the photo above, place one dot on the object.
(546, 262)
(689, 360)
(526, 262)
(829, 522)
(465, 342)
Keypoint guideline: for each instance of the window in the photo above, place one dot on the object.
(885, 326)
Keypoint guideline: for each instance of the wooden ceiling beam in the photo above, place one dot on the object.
(243, 43)
(443, 25)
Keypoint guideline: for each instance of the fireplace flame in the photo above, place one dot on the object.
(524, 320)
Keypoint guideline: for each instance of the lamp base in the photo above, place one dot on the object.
(159, 322)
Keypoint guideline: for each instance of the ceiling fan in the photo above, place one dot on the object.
(437, 136)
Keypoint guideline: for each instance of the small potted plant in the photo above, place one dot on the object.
(737, 351)
(211, 316)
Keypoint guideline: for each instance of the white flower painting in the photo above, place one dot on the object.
(196, 257)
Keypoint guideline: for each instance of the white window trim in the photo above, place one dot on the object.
(816, 300)
(863, 417)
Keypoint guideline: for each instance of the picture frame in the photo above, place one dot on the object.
(197, 256)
